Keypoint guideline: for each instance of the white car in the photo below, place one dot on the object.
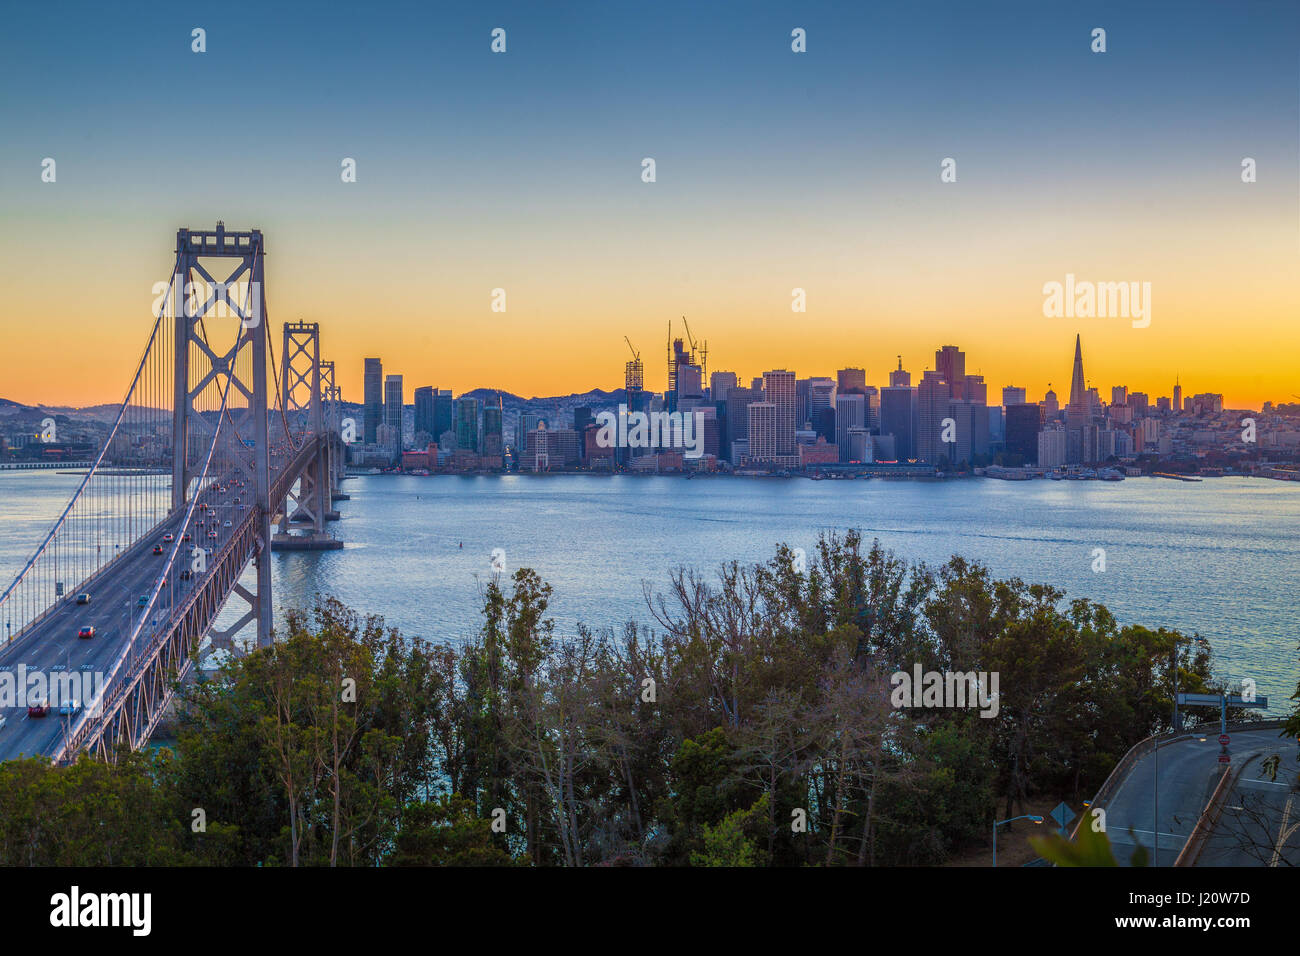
(3, 720)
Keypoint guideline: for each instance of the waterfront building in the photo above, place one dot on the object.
(1051, 448)
(1023, 423)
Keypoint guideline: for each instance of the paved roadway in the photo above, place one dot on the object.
(53, 646)
(1260, 824)
(1187, 772)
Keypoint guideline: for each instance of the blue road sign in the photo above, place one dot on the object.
(1062, 815)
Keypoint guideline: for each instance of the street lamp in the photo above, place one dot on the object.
(998, 823)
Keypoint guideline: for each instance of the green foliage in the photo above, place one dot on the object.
(729, 843)
(446, 832)
(1089, 848)
(761, 698)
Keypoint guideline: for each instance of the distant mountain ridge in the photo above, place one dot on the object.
(546, 406)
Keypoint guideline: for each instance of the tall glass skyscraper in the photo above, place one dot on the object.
(467, 424)
(393, 406)
(373, 415)
(424, 411)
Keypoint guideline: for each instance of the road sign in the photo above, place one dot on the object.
(1200, 700)
(1225, 758)
(1223, 739)
(1062, 815)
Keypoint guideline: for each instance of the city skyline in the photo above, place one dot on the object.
(776, 171)
(356, 394)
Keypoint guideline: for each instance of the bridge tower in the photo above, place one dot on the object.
(332, 396)
(200, 361)
(301, 399)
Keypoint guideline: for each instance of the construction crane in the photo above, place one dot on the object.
(633, 371)
(703, 349)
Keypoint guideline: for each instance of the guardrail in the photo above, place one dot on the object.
(1146, 746)
(1209, 817)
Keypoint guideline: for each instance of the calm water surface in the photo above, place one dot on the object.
(1220, 557)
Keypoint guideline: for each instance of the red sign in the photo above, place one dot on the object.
(1225, 758)
(1223, 739)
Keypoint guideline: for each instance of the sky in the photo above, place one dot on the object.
(775, 171)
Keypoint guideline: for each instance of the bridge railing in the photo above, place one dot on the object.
(147, 631)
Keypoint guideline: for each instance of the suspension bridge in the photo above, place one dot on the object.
(222, 450)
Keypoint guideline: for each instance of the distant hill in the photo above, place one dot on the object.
(556, 409)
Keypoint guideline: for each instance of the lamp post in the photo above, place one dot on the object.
(998, 823)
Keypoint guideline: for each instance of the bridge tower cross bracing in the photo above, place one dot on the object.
(246, 360)
(301, 399)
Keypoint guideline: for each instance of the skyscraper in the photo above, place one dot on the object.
(1077, 413)
(720, 383)
(467, 424)
(737, 418)
(896, 416)
(1051, 407)
(898, 377)
(373, 413)
(850, 413)
(442, 413)
(1012, 395)
(1178, 396)
(1023, 424)
(393, 406)
(493, 439)
(821, 395)
(851, 380)
(950, 363)
(932, 408)
(763, 431)
(779, 390)
(424, 418)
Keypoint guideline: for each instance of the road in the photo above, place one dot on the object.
(52, 646)
(1260, 823)
(1187, 771)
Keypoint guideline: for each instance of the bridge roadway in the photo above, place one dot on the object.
(1185, 772)
(52, 645)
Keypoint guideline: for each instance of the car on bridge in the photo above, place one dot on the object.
(185, 536)
(186, 574)
(83, 598)
(227, 522)
(86, 633)
(212, 534)
(168, 538)
(70, 708)
(143, 602)
(38, 708)
(157, 549)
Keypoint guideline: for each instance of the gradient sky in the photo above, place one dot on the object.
(775, 170)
